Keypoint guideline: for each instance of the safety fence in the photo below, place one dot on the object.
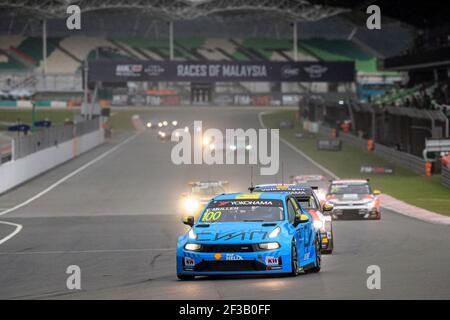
(49, 137)
(446, 177)
(403, 159)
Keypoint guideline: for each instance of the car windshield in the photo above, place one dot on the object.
(306, 203)
(207, 191)
(244, 211)
(350, 189)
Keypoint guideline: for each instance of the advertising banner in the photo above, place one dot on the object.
(123, 71)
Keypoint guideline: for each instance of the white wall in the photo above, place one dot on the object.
(13, 173)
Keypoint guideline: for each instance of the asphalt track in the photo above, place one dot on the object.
(118, 221)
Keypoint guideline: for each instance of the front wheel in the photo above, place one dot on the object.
(185, 277)
(294, 259)
(318, 263)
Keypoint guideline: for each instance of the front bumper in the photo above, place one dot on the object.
(217, 263)
(355, 212)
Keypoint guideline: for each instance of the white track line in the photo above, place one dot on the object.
(70, 175)
(18, 228)
(57, 183)
(295, 149)
(86, 251)
(425, 215)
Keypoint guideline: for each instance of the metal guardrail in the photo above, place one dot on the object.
(446, 177)
(403, 159)
(45, 138)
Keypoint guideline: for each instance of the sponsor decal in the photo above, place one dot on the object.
(272, 260)
(255, 195)
(189, 262)
(306, 256)
(233, 257)
(315, 71)
(289, 71)
(225, 236)
(252, 203)
(217, 256)
(154, 70)
(128, 70)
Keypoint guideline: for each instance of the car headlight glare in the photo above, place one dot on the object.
(275, 232)
(165, 123)
(233, 147)
(269, 245)
(318, 224)
(149, 124)
(191, 204)
(192, 246)
(174, 123)
(248, 147)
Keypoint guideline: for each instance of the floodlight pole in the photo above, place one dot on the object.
(171, 39)
(294, 40)
(44, 45)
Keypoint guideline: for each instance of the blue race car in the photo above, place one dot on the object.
(249, 233)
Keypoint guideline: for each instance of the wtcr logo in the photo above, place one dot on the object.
(236, 147)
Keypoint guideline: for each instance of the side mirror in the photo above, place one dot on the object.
(188, 220)
(327, 207)
(301, 218)
(376, 192)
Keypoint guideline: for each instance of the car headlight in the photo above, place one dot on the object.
(248, 147)
(149, 124)
(174, 123)
(191, 204)
(275, 232)
(160, 124)
(165, 123)
(192, 246)
(192, 234)
(233, 147)
(318, 224)
(269, 245)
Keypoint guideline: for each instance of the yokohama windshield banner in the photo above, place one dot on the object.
(123, 71)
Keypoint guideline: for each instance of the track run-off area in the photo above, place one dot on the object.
(114, 212)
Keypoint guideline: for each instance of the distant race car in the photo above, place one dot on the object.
(200, 193)
(254, 233)
(314, 180)
(307, 199)
(165, 134)
(353, 199)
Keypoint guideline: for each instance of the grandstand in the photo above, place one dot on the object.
(202, 31)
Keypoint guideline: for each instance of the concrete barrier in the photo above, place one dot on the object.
(16, 172)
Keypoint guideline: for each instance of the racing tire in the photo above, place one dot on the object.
(318, 263)
(185, 277)
(294, 260)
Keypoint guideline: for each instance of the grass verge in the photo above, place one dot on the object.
(405, 185)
